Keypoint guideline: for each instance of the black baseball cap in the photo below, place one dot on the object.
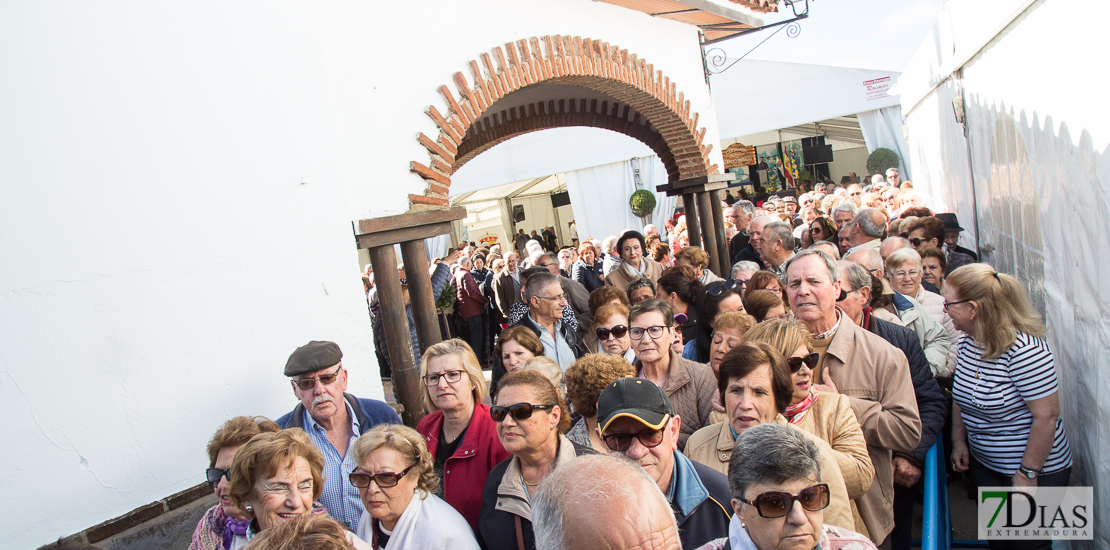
(634, 398)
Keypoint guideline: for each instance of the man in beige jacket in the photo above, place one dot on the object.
(872, 373)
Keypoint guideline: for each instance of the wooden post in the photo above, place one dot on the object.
(719, 225)
(420, 293)
(406, 385)
(709, 234)
(693, 232)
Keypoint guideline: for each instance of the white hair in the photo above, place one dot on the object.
(743, 266)
(608, 244)
(589, 485)
(877, 178)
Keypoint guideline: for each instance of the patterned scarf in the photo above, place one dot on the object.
(234, 527)
(795, 413)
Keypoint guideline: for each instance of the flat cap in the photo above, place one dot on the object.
(312, 357)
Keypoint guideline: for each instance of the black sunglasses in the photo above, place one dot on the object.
(214, 474)
(618, 332)
(776, 504)
(648, 438)
(519, 411)
(384, 480)
(795, 363)
(717, 290)
(916, 242)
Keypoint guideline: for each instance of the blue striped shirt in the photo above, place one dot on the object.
(992, 395)
(339, 496)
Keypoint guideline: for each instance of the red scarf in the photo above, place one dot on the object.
(865, 322)
(795, 413)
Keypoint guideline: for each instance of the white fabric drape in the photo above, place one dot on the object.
(883, 128)
(599, 196)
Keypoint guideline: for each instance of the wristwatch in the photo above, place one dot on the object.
(1030, 472)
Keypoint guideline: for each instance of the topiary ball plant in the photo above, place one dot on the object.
(880, 160)
(642, 202)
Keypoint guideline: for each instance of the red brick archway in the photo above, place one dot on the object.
(644, 104)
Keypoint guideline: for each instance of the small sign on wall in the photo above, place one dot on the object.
(876, 88)
(738, 155)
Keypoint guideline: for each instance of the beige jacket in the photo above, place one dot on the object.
(691, 387)
(713, 445)
(876, 378)
(621, 277)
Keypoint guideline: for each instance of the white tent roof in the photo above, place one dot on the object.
(803, 94)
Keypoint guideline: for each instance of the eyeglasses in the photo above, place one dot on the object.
(654, 332)
(795, 363)
(648, 438)
(618, 332)
(913, 273)
(519, 411)
(214, 474)
(950, 304)
(776, 504)
(916, 242)
(855, 194)
(306, 384)
(384, 480)
(452, 376)
(720, 289)
(559, 298)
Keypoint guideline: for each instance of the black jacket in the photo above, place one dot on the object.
(589, 276)
(932, 405)
(749, 254)
(497, 528)
(739, 242)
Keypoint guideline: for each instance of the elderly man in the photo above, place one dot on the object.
(867, 229)
(844, 239)
(790, 205)
(892, 177)
(610, 256)
(566, 260)
(740, 214)
(891, 244)
(470, 304)
(873, 374)
(751, 252)
(828, 248)
(637, 420)
(952, 232)
(519, 241)
(930, 334)
(776, 246)
(546, 300)
(932, 405)
(844, 213)
(506, 285)
(602, 502)
(577, 295)
(333, 420)
(855, 194)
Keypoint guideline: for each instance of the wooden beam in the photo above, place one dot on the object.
(406, 383)
(708, 232)
(701, 180)
(394, 236)
(719, 229)
(420, 293)
(693, 232)
(674, 191)
(410, 219)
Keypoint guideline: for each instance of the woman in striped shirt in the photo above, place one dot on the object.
(1007, 409)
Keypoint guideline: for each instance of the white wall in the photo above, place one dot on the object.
(178, 185)
(1040, 161)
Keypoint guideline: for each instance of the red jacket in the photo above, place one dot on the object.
(465, 473)
(469, 296)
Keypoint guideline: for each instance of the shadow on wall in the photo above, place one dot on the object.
(1044, 217)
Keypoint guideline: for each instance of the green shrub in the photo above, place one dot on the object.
(880, 160)
(642, 203)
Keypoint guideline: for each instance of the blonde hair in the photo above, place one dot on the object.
(734, 320)
(405, 441)
(264, 455)
(694, 255)
(305, 533)
(785, 336)
(1003, 306)
(470, 364)
(607, 311)
(237, 432)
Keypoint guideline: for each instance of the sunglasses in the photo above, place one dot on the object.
(916, 242)
(519, 411)
(618, 332)
(214, 474)
(718, 290)
(776, 504)
(648, 438)
(795, 363)
(384, 480)
(306, 384)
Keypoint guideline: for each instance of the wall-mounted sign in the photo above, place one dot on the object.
(877, 88)
(737, 155)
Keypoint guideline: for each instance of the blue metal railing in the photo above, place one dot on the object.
(936, 524)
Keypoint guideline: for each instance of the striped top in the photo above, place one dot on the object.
(992, 395)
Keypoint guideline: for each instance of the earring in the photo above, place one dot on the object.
(250, 508)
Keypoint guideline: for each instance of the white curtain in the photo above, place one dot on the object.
(599, 196)
(883, 128)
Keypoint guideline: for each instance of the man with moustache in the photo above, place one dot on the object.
(333, 420)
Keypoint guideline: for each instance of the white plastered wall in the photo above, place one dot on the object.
(177, 186)
(1039, 147)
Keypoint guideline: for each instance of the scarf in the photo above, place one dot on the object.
(795, 413)
(866, 321)
(739, 539)
(234, 527)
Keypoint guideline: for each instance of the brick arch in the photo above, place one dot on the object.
(644, 105)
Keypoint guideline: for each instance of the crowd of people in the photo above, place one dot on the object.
(637, 399)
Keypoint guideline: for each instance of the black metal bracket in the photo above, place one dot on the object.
(715, 63)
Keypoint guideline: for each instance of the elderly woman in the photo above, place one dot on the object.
(611, 334)
(662, 254)
(527, 413)
(689, 385)
(728, 331)
(828, 416)
(765, 304)
(934, 266)
(903, 270)
(459, 433)
(585, 381)
(778, 497)
(715, 298)
(276, 477)
(696, 258)
(1006, 426)
(765, 280)
(679, 286)
(634, 262)
(224, 526)
(397, 483)
(755, 383)
(587, 270)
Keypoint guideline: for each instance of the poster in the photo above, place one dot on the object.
(792, 161)
(771, 166)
